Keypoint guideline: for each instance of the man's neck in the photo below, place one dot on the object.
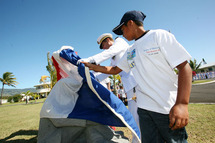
(140, 32)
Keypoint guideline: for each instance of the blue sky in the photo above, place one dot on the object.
(29, 29)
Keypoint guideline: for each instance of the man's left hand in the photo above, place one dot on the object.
(178, 116)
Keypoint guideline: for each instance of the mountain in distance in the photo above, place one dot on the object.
(11, 92)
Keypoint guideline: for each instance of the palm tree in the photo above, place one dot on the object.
(194, 66)
(51, 69)
(35, 96)
(27, 93)
(8, 79)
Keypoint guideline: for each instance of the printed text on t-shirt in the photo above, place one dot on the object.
(152, 51)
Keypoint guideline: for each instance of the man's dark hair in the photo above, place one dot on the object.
(138, 23)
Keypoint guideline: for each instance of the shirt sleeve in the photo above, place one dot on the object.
(123, 64)
(173, 51)
(115, 49)
(101, 76)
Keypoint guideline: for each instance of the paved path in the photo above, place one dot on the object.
(203, 93)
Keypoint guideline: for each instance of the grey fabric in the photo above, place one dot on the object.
(76, 131)
(64, 122)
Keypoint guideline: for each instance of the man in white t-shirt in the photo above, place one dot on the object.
(162, 96)
(115, 49)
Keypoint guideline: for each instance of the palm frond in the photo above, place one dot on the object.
(194, 66)
(9, 79)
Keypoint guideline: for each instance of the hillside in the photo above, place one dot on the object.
(11, 92)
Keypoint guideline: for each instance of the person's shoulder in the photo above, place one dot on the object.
(157, 31)
(119, 39)
(160, 33)
(122, 41)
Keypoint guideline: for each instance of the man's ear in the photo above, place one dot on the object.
(130, 22)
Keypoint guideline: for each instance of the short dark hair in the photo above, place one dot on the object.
(138, 23)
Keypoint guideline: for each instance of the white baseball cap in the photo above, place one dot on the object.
(103, 37)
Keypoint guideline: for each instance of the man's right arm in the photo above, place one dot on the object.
(103, 69)
(119, 46)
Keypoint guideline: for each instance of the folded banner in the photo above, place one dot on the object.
(78, 95)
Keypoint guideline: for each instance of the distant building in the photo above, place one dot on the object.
(3, 101)
(43, 89)
(206, 71)
(207, 68)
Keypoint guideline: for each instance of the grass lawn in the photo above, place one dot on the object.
(24, 102)
(19, 123)
(201, 127)
(202, 81)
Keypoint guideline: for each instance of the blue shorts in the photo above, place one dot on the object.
(155, 128)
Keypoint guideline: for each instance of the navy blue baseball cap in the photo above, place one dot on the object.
(130, 15)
